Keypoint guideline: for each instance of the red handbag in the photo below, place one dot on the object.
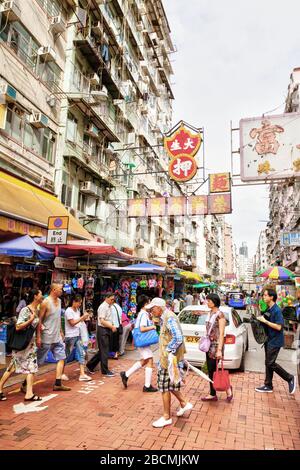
(221, 381)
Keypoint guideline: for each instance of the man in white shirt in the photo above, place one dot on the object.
(104, 330)
(189, 299)
(176, 306)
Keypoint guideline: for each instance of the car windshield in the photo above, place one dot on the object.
(193, 317)
(196, 317)
(236, 296)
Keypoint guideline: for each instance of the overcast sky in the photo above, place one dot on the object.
(234, 61)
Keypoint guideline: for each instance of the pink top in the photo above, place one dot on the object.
(125, 319)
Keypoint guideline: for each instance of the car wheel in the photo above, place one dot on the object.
(242, 364)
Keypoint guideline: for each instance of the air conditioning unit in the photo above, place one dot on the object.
(143, 65)
(38, 120)
(47, 54)
(100, 95)
(131, 138)
(97, 28)
(144, 109)
(57, 24)
(88, 187)
(140, 26)
(8, 93)
(142, 8)
(92, 130)
(94, 79)
(11, 10)
(140, 243)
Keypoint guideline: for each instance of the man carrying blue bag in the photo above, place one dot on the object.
(144, 335)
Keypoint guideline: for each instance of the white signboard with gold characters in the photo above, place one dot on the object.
(270, 147)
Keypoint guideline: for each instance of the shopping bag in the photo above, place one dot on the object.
(221, 381)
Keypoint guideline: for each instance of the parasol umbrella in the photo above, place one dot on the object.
(199, 372)
(278, 273)
(258, 273)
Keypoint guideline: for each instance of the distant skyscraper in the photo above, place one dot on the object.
(244, 249)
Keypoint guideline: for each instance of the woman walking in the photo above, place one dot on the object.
(73, 338)
(215, 326)
(25, 362)
(145, 324)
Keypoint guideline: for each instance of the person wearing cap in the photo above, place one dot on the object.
(170, 342)
(146, 324)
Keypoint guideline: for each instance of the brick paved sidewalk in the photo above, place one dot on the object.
(107, 416)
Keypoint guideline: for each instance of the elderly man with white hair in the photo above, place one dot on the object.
(170, 342)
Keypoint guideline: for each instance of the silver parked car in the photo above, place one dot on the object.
(192, 320)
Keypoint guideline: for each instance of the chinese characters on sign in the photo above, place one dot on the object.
(269, 147)
(136, 208)
(219, 203)
(219, 183)
(182, 146)
(57, 230)
(181, 206)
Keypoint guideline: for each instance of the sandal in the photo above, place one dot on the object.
(2, 397)
(33, 398)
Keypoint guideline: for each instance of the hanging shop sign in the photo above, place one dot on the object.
(290, 239)
(136, 208)
(219, 203)
(270, 147)
(219, 183)
(65, 263)
(57, 230)
(182, 144)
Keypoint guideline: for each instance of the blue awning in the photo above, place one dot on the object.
(25, 247)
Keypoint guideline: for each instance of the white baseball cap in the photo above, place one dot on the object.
(156, 302)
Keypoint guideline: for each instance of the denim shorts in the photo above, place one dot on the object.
(58, 350)
(75, 342)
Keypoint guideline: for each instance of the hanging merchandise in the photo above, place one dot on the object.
(125, 286)
(74, 283)
(90, 283)
(80, 283)
(143, 284)
(152, 283)
(160, 286)
(67, 288)
(133, 301)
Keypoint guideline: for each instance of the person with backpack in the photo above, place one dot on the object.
(274, 343)
(145, 324)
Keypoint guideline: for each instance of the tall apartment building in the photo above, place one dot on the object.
(284, 200)
(85, 100)
(261, 257)
(229, 255)
(245, 264)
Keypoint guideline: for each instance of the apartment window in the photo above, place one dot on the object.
(81, 202)
(71, 128)
(14, 122)
(50, 6)
(66, 195)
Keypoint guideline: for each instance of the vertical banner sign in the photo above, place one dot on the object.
(219, 203)
(176, 205)
(219, 183)
(198, 205)
(182, 144)
(157, 207)
(136, 208)
(57, 230)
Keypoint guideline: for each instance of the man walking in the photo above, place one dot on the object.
(170, 342)
(105, 328)
(189, 299)
(275, 341)
(50, 336)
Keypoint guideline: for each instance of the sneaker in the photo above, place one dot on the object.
(61, 388)
(292, 385)
(84, 378)
(264, 389)
(187, 407)
(109, 374)
(149, 389)
(90, 371)
(161, 422)
(64, 377)
(124, 378)
(121, 354)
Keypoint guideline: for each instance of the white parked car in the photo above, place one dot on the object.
(192, 320)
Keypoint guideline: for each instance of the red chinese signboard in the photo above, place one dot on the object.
(198, 205)
(157, 207)
(136, 208)
(219, 183)
(182, 142)
(219, 203)
(182, 168)
(177, 205)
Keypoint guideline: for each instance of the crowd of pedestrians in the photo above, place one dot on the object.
(113, 328)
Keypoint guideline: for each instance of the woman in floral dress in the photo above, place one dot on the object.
(25, 362)
(216, 350)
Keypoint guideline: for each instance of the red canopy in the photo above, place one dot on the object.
(81, 247)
